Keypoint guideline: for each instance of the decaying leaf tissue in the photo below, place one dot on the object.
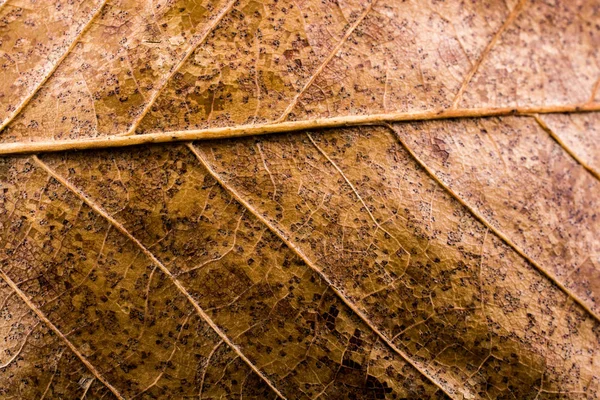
(335, 199)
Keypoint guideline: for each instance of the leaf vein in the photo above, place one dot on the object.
(33, 92)
(549, 275)
(324, 64)
(311, 265)
(99, 210)
(549, 131)
(195, 42)
(288, 126)
(511, 17)
(54, 328)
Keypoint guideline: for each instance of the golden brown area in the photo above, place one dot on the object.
(391, 199)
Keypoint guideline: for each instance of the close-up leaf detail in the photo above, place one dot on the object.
(268, 199)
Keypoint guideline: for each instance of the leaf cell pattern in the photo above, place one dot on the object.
(447, 247)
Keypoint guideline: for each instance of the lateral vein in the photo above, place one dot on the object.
(511, 17)
(549, 131)
(33, 92)
(312, 266)
(197, 41)
(495, 230)
(55, 329)
(102, 212)
(325, 62)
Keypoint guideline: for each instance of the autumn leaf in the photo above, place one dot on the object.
(300, 199)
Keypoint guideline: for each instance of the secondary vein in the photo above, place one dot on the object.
(549, 275)
(595, 173)
(325, 62)
(54, 328)
(195, 42)
(103, 213)
(30, 96)
(511, 17)
(312, 266)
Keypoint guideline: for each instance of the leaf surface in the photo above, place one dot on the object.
(420, 220)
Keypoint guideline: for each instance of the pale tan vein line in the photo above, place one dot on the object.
(103, 213)
(290, 126)
(545, 127)
(324, 64)
(30, 96)
(509, 20)
(311, 265)
(195, 42)
(46, 321)
(496, 231)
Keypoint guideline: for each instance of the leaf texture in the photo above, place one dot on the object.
(419, 219)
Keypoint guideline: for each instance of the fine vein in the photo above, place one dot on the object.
(30, 96)
(289, 126)
(358, 196)
(311, 265)
(48, 323)
(498, 232)
(102, 212)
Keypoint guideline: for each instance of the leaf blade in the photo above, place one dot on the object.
(300, 178)
(232, 286)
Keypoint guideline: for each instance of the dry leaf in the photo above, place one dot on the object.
(351, 199)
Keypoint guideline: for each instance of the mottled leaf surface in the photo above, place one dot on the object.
(454, 255)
